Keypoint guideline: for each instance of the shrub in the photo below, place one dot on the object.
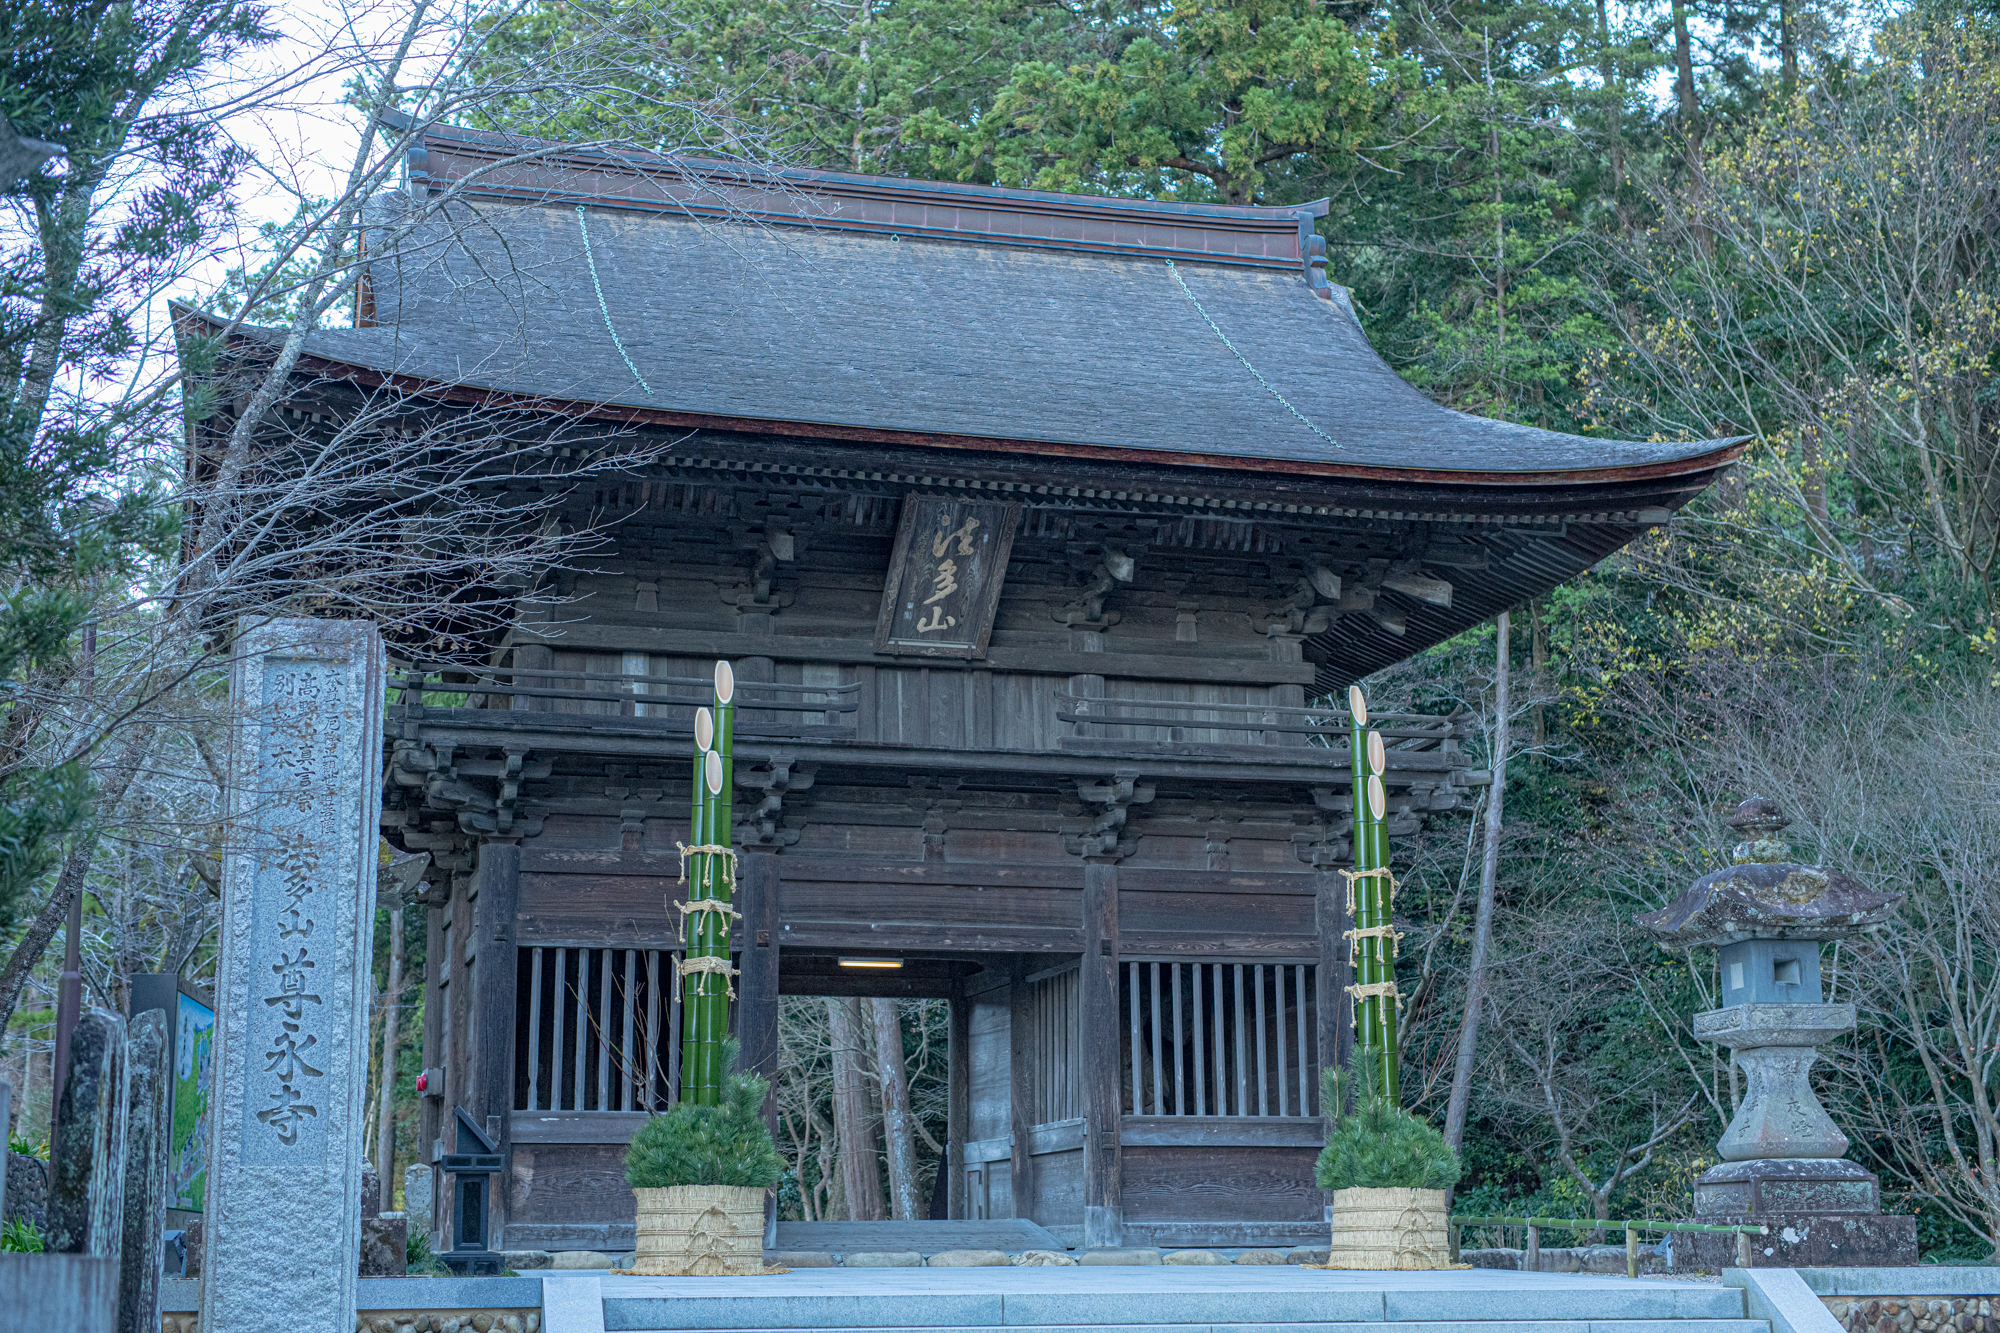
(21, 1236)
(1379, 1146)
(728, 1144)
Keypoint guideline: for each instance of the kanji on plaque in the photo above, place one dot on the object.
(944, 577)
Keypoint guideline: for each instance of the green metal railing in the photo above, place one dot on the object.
(1532, 1251)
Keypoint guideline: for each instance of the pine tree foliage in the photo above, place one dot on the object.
(1380, 1146)
(726, 1144)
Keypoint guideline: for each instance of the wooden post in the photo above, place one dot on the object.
(1746, 1257)
(1103, 1183)
(1631, 1252)
(490, 1091)
(1533, 1261)
(1336, 1007)
(757, 990)
(533, 657)
(430, 1100)
(1021, 1087)
(958, 1098)
(757, 967)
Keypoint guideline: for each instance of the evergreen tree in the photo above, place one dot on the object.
(114, 218)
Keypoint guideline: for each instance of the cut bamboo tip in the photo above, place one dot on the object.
(711, 771)
(1357, 705)
(725, 683)
(704, 729)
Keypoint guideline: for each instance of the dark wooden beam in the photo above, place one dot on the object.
(1153, 664)
(958, 1098)
(1336, 1006)
(600, 735)
(1021, 1088)
(1103, 1192)
(491, 1085)
(430, 1102)
(757, 984)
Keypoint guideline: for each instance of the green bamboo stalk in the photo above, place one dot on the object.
(711, 878)
(693, 1049)
(1366, 961)
(1374, 955)
(1390, 1064)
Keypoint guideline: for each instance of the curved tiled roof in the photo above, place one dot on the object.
(1157, 332)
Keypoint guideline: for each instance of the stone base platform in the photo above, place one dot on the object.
(1804, 1240)
(1114, 1299)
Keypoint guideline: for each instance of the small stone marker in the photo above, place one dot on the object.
(417, 1199)
(292, 979)
(87, 1160)
(148, 1124)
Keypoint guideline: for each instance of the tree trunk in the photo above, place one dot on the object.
(898, 1125)
(860, 1179)
(1684, 93)
(385, 1128)
(1538, 658)
(1788, 48)
(1482, 929)
(1614, 130)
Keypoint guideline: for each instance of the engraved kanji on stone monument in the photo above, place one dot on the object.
(292, 979)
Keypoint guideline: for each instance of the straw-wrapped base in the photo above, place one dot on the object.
(1399, 1229)
(700, 1231)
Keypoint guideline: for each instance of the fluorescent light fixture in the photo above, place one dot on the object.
(890, 963)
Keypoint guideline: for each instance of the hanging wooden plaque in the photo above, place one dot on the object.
(945, 576)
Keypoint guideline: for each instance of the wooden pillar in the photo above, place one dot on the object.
(757, 964)
(430, 1102)
(1100, 1040)
(1021, 1085)
(489, 1092)
(533, 657)
(1336, 973)
(756, 1009)
(958, 1098)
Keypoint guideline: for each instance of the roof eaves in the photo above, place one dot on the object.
(1704, 457)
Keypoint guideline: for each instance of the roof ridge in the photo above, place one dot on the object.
(488, 164)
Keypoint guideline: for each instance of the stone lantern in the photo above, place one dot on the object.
(1782, 1155)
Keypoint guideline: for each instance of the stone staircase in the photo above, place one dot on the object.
(1145, 1300)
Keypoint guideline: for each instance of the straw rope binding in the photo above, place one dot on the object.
(691, 967)
(1367, 933)
(704, 905)
(1381, 872)
(699, 849)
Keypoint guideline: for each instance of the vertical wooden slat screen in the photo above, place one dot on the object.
(1053, 1002)
(602, 1030)
(1219, 1038)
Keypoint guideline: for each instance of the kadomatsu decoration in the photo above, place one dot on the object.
(702, 1170)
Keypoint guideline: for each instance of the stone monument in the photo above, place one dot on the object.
(282, 1229)
(1782, 1162)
